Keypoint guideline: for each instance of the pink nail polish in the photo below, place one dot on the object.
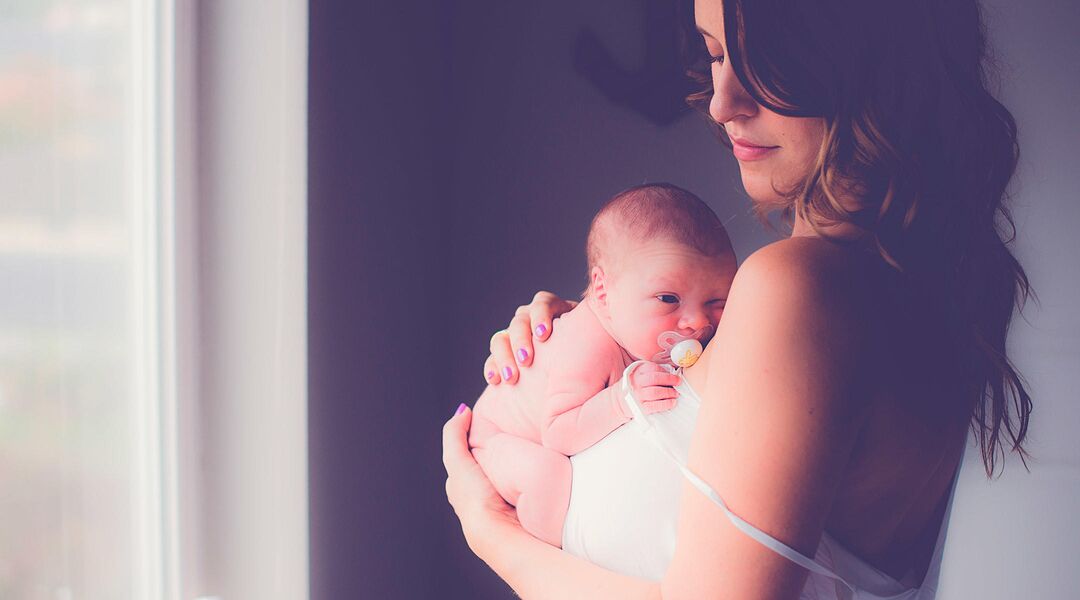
(507, 373)
(541, 329)
(490, 375)
(522, 355)
(460, 409)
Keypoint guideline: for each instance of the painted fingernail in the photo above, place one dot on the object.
(507, 373)
(460, 409)
(541, 329)
(522, 355)
(490, 375)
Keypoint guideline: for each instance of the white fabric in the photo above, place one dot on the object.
(624, 501)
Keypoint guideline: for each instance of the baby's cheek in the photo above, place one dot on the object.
(639, 339)
(649, 339)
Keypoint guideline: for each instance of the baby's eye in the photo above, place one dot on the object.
(668, 298)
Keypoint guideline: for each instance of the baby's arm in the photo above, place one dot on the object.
(579, 407)
(581, 424)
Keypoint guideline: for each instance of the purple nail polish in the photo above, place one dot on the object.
(541, 329)
(522, 355)
(507, 373)
(460, 409)
(490, 375)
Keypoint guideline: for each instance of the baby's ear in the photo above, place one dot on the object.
(599, 285)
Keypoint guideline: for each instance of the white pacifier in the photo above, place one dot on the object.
(686, 352)
(681, 350)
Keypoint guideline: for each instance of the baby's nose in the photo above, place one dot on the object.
(692, 321)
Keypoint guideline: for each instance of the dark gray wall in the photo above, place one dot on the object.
(377, 215)
(455, 160)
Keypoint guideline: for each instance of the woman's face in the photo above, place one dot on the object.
(787, 146)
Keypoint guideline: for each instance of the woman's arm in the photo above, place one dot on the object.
(784, 404)
(534, 569)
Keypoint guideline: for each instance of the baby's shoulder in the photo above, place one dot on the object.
(578, 339)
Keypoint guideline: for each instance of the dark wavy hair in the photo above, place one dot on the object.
(913, 131)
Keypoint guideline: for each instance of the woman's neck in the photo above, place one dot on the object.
(843, 231)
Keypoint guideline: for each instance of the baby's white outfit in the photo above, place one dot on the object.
(624, 501)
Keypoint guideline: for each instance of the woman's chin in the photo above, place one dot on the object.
(759, 187)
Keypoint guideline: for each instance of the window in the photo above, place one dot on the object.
(83, 332)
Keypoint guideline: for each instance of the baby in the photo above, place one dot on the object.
(660, 265)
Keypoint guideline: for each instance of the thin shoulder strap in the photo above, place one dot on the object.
(756, 534)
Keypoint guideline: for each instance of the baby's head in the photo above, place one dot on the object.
(659, 260)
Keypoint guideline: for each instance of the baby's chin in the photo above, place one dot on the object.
(641, 354)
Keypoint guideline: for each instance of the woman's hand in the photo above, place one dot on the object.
(533, 569)
(482, 511)
(513, 347)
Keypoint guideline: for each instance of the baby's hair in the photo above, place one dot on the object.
(649, 212)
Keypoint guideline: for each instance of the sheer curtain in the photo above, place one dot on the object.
(152, 316)
(82, 328)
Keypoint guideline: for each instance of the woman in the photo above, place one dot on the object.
(853, 356)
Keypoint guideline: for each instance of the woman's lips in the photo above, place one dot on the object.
(745, 152)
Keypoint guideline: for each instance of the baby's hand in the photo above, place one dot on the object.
(654, 387)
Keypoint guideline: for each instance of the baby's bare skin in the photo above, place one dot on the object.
(567, 401)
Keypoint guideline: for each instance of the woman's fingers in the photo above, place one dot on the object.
(543, 309)
(521, 336)
(491, 371)
(534, 321)
(455, 437)
(461, 467)
(512, 348)
(503, 357)
(479, 507)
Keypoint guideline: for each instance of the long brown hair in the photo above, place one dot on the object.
(914, 131)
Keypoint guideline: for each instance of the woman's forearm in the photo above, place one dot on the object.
(539, 571)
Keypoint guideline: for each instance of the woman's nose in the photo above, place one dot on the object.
(729, 99)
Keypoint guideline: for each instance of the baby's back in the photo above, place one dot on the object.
(519, 409)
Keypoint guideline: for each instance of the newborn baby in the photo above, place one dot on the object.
(659, 265)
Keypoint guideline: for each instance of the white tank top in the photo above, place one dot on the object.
(624, 501)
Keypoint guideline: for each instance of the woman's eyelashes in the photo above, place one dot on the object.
(713, 58)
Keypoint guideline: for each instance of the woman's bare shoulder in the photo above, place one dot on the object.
(806, 274)
(800, 303)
